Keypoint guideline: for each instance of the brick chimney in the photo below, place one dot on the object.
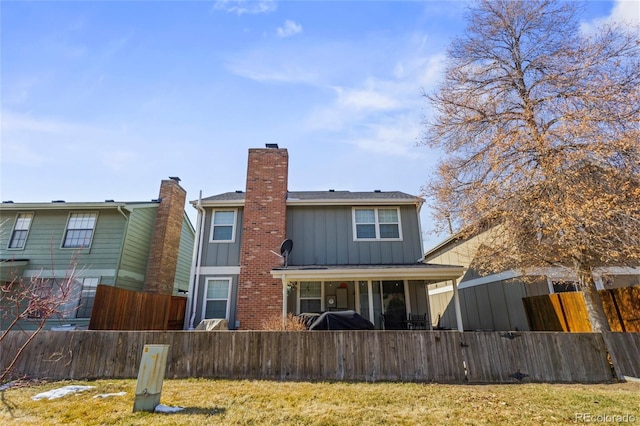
(263, 230)
(165, 243)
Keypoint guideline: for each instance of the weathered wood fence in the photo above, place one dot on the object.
(120, 309)
(423, 356)
(567, 311)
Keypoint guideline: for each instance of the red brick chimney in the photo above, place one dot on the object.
(165, 243)
(263, 230)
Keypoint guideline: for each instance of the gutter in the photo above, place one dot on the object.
(192, 296)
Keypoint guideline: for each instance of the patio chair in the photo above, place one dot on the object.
(418, 322)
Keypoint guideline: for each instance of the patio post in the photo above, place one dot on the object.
(456, 305)
(284, 301)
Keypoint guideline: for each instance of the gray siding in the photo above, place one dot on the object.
(324, 236)
(496, 306)
(221, 254)
(201, 295)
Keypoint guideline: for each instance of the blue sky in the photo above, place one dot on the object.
(102, 100)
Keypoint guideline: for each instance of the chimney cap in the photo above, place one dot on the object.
(271, 145)
(176, 178)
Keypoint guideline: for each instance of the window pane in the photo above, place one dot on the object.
(389, 231)
(223, 218)
(23, 221)
(87, 297)
(365, 216)
(388, 215)
(78, 239)
(222, 233)
(217, 289)
(365, 231)
(18, 239)
(310, 305)
(364, 299)
(216, 309)
(79, 230)
(310, 289)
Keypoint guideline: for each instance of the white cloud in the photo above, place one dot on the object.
(624, 12)
(241, 7)
(288, 29)
(396, 136)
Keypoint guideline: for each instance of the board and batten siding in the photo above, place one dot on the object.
(223, 253)
(496, 306)
(324, 236)
(233, 298)
(135, 250)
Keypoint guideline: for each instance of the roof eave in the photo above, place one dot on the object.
(439, 273)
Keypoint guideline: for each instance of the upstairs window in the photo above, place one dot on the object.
(377, 224)
(20, 231)
(223, 226)
(79, 230)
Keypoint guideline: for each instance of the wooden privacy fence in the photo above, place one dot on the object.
(120, 309)
(422, 356)
(567, 311)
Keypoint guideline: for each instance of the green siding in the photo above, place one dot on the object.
(43, 245)
(185, 255)
(135, 251)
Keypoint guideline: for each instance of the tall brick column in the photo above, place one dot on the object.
(165, 243)
(263, 230)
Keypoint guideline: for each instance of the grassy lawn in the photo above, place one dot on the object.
(210, 402)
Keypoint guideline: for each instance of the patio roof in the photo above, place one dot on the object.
(413, 271)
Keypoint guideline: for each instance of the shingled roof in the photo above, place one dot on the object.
(328, 196)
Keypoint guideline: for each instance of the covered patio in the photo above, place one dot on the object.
(392, 297)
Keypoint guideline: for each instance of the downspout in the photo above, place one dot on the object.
(422, 249)
(456, 305)
(195, 264)
(116, 273)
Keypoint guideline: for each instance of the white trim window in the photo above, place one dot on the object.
(87, 297)
(376, 224)
(310, 296)
(223, 226)
(79, 232)
(216, 298)
(20, 230)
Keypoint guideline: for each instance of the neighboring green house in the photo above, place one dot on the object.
(141, 246)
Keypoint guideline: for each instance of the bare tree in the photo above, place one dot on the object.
(34, 301)
(540, 124)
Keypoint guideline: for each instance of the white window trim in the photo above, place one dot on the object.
(233, 226)
(15, 222)
(299, 298)
(205, 299)
(66, 229)
(377, 224)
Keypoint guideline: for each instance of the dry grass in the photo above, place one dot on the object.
(211, 402)
(275, 323)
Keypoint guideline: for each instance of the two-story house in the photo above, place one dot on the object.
(140, 246)
(345, 250)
